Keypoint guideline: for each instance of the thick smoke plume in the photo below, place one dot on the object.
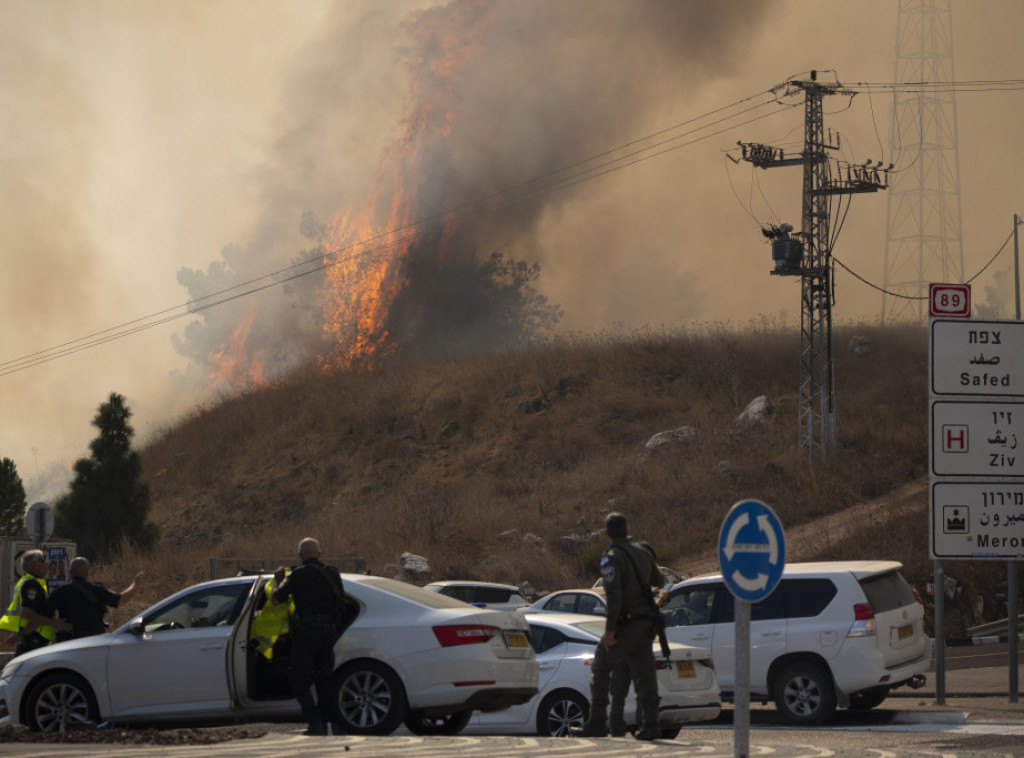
(466, 100)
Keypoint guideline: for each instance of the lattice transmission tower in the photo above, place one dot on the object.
(924, 240)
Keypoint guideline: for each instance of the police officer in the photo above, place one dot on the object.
(629, 572)
(318, 594)
(28, 615)
(83, 604)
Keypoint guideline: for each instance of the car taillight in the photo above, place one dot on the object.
(661, 663)
(464, 634)
(864, 621)
(917, 596)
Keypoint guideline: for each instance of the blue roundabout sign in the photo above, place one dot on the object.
(751, 550)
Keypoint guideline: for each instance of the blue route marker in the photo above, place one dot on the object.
(751, 550)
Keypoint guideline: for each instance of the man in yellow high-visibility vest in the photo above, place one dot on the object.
(29, 615)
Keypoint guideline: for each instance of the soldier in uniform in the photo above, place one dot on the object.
(629, 572)
(29, 615)
(318, 594)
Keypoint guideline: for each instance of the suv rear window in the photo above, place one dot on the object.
(489, 595)
(806, 598)
(887, 592)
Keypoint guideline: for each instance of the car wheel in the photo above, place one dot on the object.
(868, 699)
(371, 698)
(804, 694)
(60, 702)
(448, 725)
(560, 712)
(670, 732)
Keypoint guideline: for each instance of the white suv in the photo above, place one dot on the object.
(831, 634)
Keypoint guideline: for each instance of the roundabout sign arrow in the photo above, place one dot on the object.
(751, 550)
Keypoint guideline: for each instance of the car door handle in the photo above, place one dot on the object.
(547, 666)
(212, 646)
(701, 637)
(771, 634)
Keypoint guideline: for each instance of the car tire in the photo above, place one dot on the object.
(370, 698)
(449, 725)
(804, 694)
(670, 732)
(560, 712)
(60, 702)
(868, 699)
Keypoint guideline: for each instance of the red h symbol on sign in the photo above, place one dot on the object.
(954, 438)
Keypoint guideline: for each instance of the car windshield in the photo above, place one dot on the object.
(595, 628)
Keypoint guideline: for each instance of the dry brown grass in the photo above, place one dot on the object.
(444, 459)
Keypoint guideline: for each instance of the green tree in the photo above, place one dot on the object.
(108, 501)
(12, 500)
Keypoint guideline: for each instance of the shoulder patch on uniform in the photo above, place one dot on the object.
(30, 593)
(607, 569)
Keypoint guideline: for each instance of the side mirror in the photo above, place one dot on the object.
(600, 610)
(137, 628)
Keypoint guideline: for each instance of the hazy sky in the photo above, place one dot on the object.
(146, 144)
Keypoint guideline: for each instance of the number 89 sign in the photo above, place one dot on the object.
(949, 300)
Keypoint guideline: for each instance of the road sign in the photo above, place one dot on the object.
(949, 300)
(39, 522)
(978, 520)
(980, 438)
(751, 550)
(977, 357)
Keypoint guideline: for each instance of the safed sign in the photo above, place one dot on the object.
(976, 439)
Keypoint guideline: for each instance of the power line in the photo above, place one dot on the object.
(636, 151)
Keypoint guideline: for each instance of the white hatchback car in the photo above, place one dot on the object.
(589, 602)
(831, 634)
(407, 656)
(500, 597)
(565, 644)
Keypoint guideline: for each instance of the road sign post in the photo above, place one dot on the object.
(752, 556)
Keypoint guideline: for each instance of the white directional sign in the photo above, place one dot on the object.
(979, 438)
(978, 520)
(977, 357)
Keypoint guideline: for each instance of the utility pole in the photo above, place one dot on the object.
(808, 253)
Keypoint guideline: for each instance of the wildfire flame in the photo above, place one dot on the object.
(367, 249)
(231, 366)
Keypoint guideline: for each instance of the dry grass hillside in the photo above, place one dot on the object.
(503, 467)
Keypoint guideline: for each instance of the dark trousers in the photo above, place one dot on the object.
(632, 647)
(28, 644)
(313, 667)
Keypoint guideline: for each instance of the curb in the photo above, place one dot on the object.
(987, 640)
(921, 717)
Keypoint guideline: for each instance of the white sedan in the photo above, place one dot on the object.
(408, 656)
(564, 643)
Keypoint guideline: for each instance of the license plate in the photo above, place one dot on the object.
(685, 669)
(905, 631)
(516, 639)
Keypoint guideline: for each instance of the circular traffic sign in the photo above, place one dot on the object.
(751, 550)
(39, 522)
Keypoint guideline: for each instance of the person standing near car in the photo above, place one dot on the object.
(621, 680)
(318, 593)
(629, 572)
(28, 615)
(83, 604)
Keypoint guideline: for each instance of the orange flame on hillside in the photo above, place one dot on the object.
(231, 366)
(368, 247)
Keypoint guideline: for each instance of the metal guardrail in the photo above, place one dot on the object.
(995, 628)
(237, 566)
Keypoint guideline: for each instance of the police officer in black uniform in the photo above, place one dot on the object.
(629, 572)
(84, 604)
(318, 594)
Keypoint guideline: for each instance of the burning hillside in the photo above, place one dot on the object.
(429, 253)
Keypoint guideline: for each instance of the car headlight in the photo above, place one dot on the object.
(8, 670)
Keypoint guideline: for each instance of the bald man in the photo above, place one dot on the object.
(319, 595)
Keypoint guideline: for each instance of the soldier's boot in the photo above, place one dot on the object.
(648, 724)
(595, 727)
(616, 723)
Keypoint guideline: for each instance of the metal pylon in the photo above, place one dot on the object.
(924, 240)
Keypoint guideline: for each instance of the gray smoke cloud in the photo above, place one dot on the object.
(495, 94)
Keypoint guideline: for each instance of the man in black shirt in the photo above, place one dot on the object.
(318, 594)
(84, 603)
